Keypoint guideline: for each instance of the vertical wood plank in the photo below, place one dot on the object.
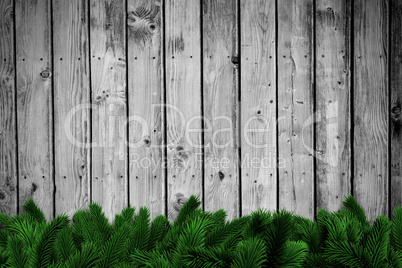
(109, 113)
(220, 106)
(34, 103)
(8, 142)
(147, 178)
(258, 105)
(183, 97)
(72, 99)
(295, 106)
(333, 154)
(396, 104)
(371, 106)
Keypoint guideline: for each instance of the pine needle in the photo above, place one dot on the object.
(250, 253)
(42, 249)
(34, 211)
(192, 204)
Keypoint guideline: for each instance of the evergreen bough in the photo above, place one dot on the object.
(200, 239)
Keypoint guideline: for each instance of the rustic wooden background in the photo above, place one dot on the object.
(338, 62)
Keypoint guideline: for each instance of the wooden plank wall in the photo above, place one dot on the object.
(247, 104)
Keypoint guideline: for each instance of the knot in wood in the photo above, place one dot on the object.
(396, 111)
(45, 73)
(7, 81)
(147, 141)
(98, 98)
(221, 175)
(235, 60)
(33, 188)
(180, 201)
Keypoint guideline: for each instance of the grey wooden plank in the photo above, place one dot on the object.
(396, 104)
(371, 107)
(8, 141)
(183, 97)
(220, 93)
(109, 111)
(72, 120)
(333, 103)
(34, 103)
(258, 106)
(145, 85)
(295, 106)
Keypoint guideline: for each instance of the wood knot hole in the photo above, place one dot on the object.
(235, 60)
(396, 111)
(45, 74)
(221, 175)
(34, 187)
(147, 142)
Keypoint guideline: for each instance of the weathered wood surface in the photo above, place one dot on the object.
(146, 132)
(295, 106)
(183, 99)
(34, 103)
(333, 91)
(220, 93)
(258, 105)
(8, 142)
(371, 107)
(128, 58)
(71, 104)
(108, 94)
(396, 104)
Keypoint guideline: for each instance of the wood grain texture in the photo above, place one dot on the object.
(34, 103)
(258, 105)
(333, 152)
(295, 106)
(396, 104)
(220, 95)
(371, 107)
(71, 108)
(109, 113)
(8, 142)
(183, 97)
(147, 177)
